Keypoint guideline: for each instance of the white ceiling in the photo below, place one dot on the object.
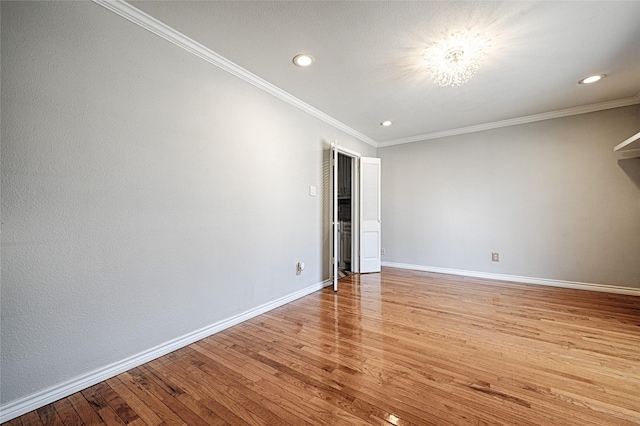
(368, 57)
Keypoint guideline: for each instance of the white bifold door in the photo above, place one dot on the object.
(370, 221)
(334, 216)
(368, 206)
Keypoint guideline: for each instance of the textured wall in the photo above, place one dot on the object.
(145, 193)
(551, 197)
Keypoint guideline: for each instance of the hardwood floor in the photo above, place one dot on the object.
(400, 347)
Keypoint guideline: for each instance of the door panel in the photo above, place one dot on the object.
(370, 246)
(370, 220)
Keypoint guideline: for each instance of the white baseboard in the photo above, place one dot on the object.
(32, 402)
(514, 278)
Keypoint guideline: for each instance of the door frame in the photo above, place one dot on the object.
(355, 205)
(355, 211)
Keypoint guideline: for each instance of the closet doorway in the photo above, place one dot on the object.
(347, 215)
(355, 213)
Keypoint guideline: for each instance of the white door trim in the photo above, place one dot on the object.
(334, 215)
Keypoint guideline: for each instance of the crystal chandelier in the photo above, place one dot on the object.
(453, 61)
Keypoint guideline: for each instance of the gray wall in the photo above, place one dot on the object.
(145, 193)
(551, 197)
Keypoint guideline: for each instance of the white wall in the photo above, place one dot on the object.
(145, 193)
(551, 197)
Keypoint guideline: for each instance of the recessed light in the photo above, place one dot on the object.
(303, 60)
(592, 79)
(386, 123)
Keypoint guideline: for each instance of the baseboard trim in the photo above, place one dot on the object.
(515, 278)
(32, 402)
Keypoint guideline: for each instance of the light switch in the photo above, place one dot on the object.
(312, 191)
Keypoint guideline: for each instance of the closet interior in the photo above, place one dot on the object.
(345, 214)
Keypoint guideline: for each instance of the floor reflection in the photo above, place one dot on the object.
(348, 317)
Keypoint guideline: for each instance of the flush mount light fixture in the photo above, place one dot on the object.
(386, 123)
(454, 60)
(592, 79)
(303, 60)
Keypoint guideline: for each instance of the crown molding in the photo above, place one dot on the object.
(633, 100)
(138, 17)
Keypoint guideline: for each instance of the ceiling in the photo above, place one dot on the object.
(369, 63)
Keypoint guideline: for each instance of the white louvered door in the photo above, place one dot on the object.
(334, 216)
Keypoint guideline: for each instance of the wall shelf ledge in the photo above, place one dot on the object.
(629, 143)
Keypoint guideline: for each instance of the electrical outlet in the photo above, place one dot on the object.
(383, 252)
(495, 257)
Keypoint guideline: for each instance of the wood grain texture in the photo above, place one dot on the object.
(400, 347)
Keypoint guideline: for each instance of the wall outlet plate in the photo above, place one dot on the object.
(495, 257)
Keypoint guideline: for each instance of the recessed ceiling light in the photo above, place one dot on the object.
(303, 60)
(592, 79)
(386, 123)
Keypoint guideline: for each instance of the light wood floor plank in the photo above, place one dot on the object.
(67, 413)
(84, 409)
(31, 419)
(144, 412)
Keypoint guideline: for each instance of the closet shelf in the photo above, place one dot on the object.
(629, 143)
